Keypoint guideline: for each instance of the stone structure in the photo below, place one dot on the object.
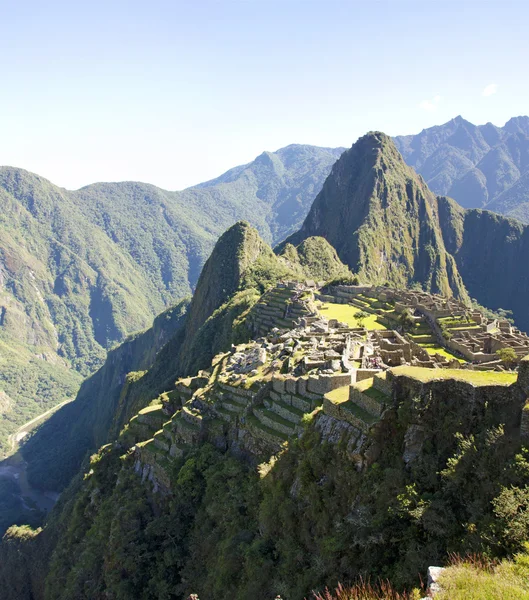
(256, 396)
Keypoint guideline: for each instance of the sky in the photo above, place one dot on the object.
(177, 92)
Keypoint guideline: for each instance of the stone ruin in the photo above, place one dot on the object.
(255, 397)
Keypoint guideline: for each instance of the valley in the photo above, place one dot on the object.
(319, 411)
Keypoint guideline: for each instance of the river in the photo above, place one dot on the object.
(14, 468)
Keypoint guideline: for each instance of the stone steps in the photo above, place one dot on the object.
(286, 411)
(232, 405)
(274, 421)
(265, 432)
(224, 414)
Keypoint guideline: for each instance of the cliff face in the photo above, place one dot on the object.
(492, 254)
(55, 452)
(382, 219)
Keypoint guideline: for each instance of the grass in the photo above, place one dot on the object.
(433, 349)
(469, 580)
(341, 396)
(338, 395)
(477, 378)
(345, 313)
(365, 590)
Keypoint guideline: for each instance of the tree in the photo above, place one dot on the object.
(507, 355)
(406, 319)
(361, 317)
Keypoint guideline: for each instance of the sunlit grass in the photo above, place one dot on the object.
(470, 580)
(345, 313)
(474, 377)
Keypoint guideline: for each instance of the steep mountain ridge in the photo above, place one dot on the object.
(386, 225)
(80, 270)
(492, 254)
(181, 341)
(480, 166)
(382, 219)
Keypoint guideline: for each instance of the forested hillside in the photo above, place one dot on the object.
(81, 270)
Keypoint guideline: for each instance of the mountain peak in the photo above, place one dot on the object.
(382, 219)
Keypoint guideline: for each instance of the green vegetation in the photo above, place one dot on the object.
(259, 536)
(486, 173)
(469, 580)
(345, 313)
(180, 343)
(474, 377)
(434, 349)
(436, 476)
(338, 395)
(84, 269)
(318, 260)
(55, 451)
(369, 208)
(507, 355)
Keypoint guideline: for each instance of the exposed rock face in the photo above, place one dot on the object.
(491, 253)
(382, 219)
(413, 441)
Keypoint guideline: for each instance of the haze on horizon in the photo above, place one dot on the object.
(174, 93)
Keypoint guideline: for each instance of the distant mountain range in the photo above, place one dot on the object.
(480, 166)
(387, 226)
(80, 270)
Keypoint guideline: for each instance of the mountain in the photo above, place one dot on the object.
(480, 166)
(492, 255)
(383, 220)
(80, 270)
(387, 226)
(182, 340)
(265, 474)
(280, 185)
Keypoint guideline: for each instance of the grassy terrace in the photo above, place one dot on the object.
(338, 395)
(474, 377)
(345, 313)
(433, 349)
(367, 388)
(341, 396)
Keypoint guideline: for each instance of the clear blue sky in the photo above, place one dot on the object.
(174, 93)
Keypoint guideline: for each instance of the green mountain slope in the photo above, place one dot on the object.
(492, 255)
(442, 468)
(180, 342)
(382, 219)
(80, 270)
(57, 448)
(480, 166)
